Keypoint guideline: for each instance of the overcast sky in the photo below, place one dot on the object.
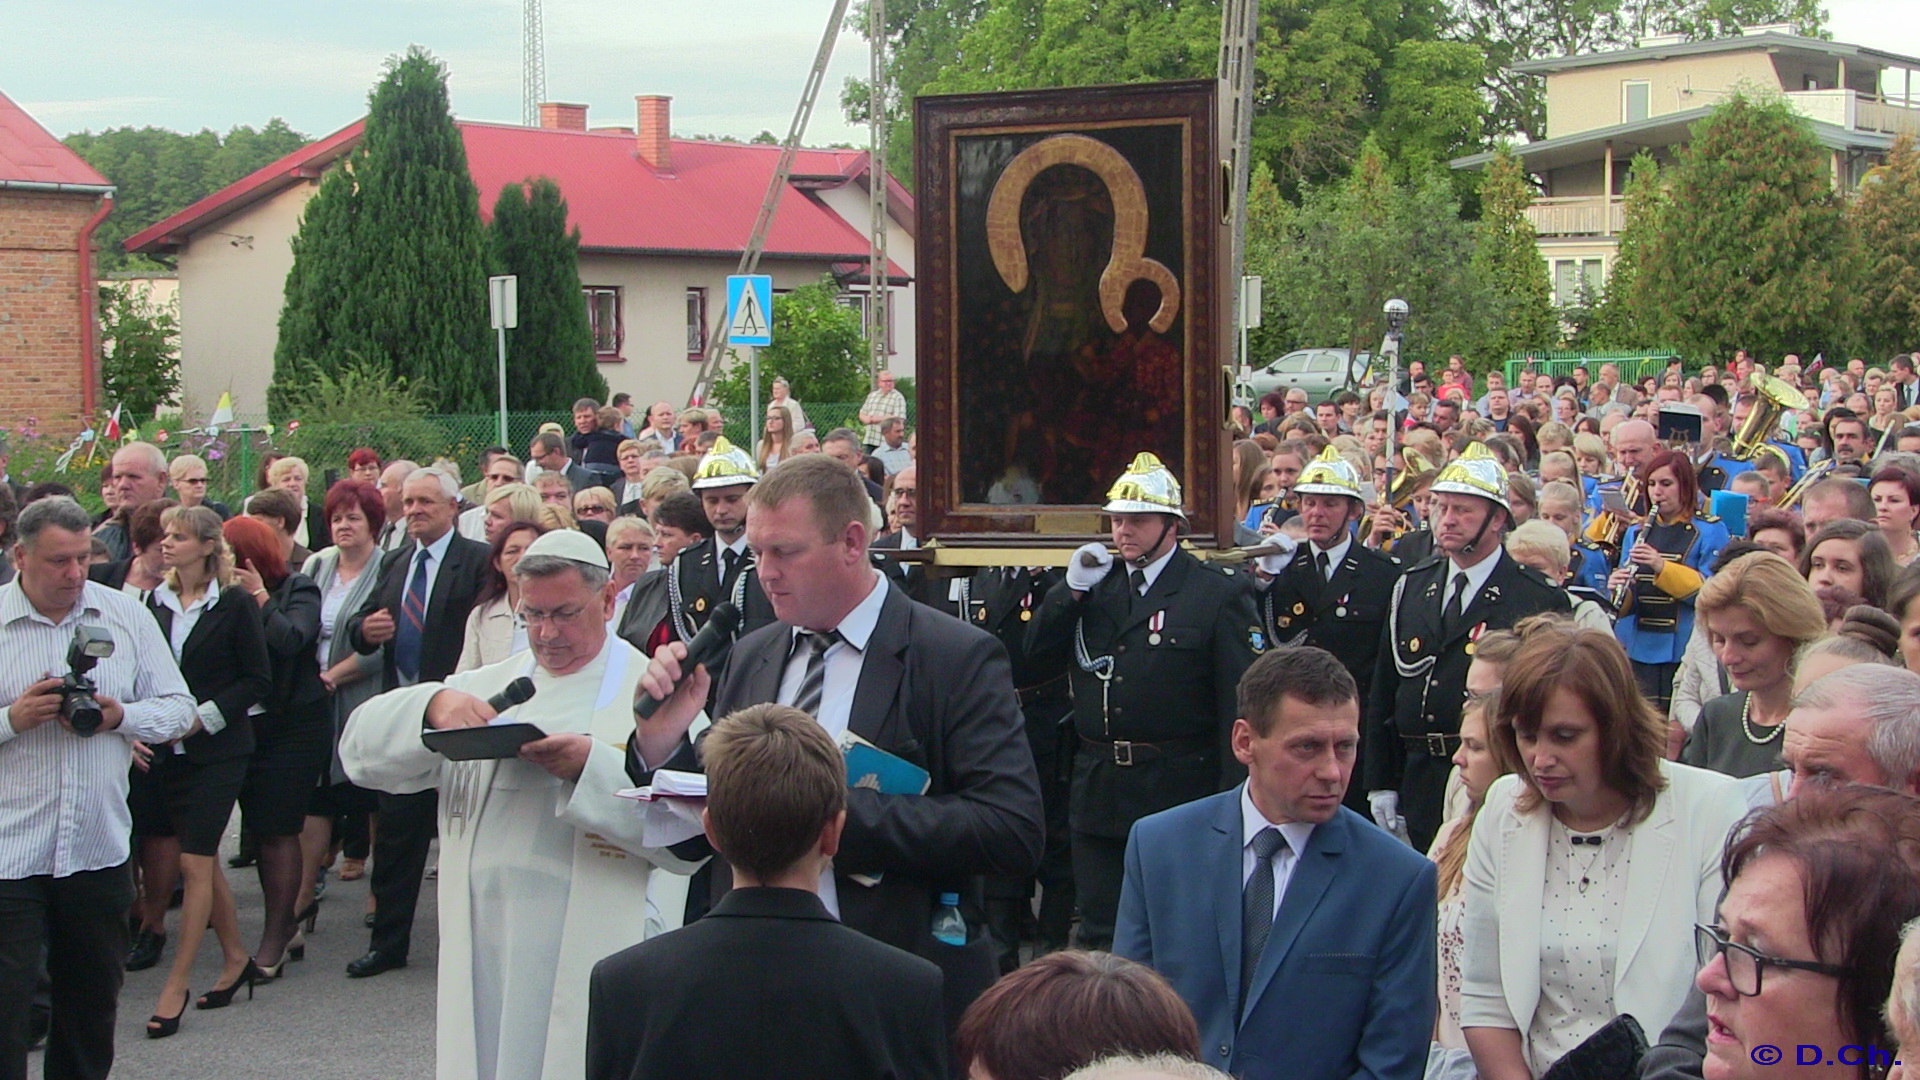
(734, 67)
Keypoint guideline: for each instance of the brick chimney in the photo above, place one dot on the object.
(560, 116)
(655, 138)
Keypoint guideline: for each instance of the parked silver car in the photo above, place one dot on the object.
(1320, 372)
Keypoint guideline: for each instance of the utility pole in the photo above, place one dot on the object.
(757, 240)
(1239, 33)
(533, 59)
(879, 292)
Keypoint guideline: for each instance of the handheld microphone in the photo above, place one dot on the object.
(708, 647)
(516, 692)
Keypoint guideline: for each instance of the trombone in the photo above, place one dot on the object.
(1813, 475)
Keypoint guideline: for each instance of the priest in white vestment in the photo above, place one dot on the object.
(542, 869)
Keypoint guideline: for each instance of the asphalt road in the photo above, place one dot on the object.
(314, 1023)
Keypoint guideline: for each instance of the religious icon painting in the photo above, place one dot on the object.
(1070, 308)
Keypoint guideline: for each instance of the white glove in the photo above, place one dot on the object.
(1272, 565)
(1081, 577)
(1386, 812)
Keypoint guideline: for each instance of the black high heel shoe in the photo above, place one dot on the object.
(159, 1027)
(309, 914)
(221, 998)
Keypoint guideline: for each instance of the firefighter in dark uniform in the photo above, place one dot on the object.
(1003, 601)
(1156, 642)
(1333, 592)
(1439, 611)
(719, 568)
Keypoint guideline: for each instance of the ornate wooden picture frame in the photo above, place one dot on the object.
(1073, 309)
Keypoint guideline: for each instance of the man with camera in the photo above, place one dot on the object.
(65, 743)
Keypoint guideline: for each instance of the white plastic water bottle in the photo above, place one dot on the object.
(948, 927)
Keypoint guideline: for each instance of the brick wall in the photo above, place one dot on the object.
(42, 320)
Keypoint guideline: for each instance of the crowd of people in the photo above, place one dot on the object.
(1551, 728)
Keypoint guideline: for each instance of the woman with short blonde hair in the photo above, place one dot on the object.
(509, 503)
(1760, 614)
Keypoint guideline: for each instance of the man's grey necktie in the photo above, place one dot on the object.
(814, 685)
(1256, 905)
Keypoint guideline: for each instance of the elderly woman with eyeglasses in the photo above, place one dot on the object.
(1797, 969)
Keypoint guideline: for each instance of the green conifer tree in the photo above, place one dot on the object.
(420, 294)
(1886, 221)
(1507, 261)
(1753, 251)
(314, 338)
(550, 355)
(1618, 320)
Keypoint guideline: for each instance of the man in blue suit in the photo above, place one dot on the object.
(1299, 933)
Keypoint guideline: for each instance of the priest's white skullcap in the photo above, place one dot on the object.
(569, 544)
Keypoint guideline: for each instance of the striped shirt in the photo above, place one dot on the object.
(63, 799)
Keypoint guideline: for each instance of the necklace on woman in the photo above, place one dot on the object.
(1746, 725)
(1597, 841)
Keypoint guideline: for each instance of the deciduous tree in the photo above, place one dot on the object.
(139, 349)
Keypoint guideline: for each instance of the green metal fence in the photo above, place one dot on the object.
(1634, 366)
(235, 453)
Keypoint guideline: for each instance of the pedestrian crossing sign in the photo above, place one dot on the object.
(750, 309)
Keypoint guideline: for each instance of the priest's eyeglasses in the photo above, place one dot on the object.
(558, 616)
(1745, 965)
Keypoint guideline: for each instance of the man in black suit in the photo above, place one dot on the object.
(856, 653)
(548, 451)
(769, 983)
(416, 619)
(1333, 593)
(912, 576)
(1156, 642)
(1440, 610)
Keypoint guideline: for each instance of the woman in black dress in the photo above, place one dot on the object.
(291, 731)
(221, 647)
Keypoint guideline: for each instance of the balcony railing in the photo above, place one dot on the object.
(1579, 215)
(1856, 112)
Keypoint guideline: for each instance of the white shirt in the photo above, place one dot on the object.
(184, 620)
(1297, 833)
(1335, 554)
(738, 547)
(1477, 576)
(473, 524)
(842, 678)
(65, 805)
(619, 609)
(631, 491)
(1151, 570)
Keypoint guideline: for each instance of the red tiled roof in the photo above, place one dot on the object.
(29, 152)
(705, 204)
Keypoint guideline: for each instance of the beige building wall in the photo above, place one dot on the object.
(653, 302)
(233, 278)
(851, 203)
(1584, 99)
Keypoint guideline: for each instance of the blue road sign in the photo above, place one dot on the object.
(750, 309)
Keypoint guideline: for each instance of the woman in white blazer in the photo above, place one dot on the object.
(1589, 867)
(493, 630)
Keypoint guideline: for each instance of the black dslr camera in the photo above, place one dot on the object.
(78, 706)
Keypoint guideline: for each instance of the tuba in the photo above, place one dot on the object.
(1775, 397)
